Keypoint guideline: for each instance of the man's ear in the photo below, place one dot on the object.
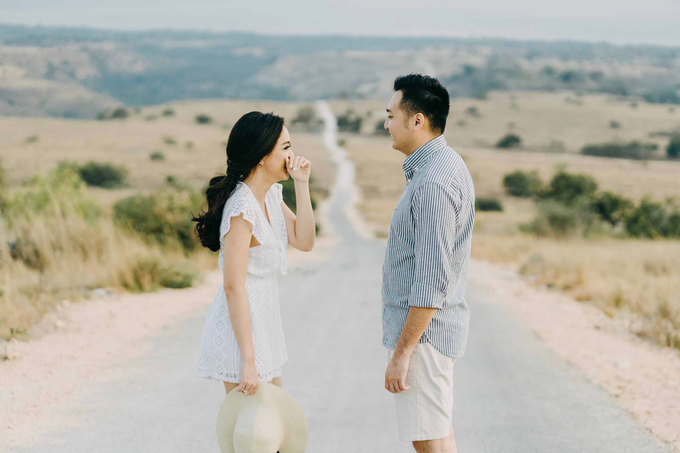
(419, 121)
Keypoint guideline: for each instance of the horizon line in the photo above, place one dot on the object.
(341, 35)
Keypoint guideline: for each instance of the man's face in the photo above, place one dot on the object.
(397, 124)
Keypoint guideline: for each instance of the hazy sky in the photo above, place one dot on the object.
(650, 21)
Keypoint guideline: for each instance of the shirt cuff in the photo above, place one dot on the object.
(425, 296)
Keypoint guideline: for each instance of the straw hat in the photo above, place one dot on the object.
(266, 422)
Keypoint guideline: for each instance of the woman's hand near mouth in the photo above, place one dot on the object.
(299, 168)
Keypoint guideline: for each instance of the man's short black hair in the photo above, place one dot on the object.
(424, 94)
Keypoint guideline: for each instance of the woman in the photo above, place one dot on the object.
(249, 223)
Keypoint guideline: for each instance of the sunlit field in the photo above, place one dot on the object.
(62, 242)
(638, 280)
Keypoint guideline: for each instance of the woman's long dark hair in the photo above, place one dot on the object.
(253, 137)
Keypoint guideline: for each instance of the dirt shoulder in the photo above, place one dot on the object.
(81, 343)
(642, 376)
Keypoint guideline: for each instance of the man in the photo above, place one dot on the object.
(425, 315)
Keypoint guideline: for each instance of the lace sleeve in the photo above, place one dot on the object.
(235, 208)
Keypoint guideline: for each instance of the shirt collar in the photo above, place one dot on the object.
(422, 155)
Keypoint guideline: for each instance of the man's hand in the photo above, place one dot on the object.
(395, 376)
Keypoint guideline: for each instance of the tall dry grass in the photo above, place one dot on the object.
(638, 280)
(55, 244)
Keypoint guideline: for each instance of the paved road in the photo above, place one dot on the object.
(511, 393)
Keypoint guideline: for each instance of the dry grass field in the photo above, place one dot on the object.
(547, 122)
(638, 280)
(78, 256)
(192, 152)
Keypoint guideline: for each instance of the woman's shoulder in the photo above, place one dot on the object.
(238, 200)
(277, 191)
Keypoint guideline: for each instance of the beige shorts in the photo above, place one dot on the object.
(424, 411)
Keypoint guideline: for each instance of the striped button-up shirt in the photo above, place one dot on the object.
(428, 248)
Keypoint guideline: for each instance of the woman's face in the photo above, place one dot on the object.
(275, 162)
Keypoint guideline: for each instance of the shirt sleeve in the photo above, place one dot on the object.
(435, 209)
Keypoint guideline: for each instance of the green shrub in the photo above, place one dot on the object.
(163, 216)
(289, 194)
(169, 140)
(611, 207)
(488, 204)
(567, 187)
(632, 150)
(509, 141)
(104, 175)
(118, 113)
(168, 112)
(663, 95)
(473, 112)
(305, 115)
(558, 220)
(32, 139)
(653, 220)
(522, 184)
(146, 273)
(203, 119)
(177, 276)
(613, 124)
(673, 148)
(350, 122)
(157, 155)
(380, 128)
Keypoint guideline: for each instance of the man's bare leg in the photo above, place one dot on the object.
(445, 445)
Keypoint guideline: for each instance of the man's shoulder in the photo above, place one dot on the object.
(444, 168)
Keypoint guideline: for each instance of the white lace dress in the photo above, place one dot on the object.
(220, 357)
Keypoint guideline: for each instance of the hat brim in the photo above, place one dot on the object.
(274, 397)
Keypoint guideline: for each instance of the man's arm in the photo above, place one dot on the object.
(434, 212)
(416, 322)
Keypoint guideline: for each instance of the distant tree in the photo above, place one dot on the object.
(663, 96)
(571, 77)
(380, 128)
(203, 119)
(522, 184)
(673, 148)
(488, 204)
(304, 115)
(104, 175)
(567, 187)
(119, 113)
(509, 141)
(611, 207)
(614, 124)
(548, 70)
(632, 150)
(473, 111)
(350, 122)
(168, 112)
